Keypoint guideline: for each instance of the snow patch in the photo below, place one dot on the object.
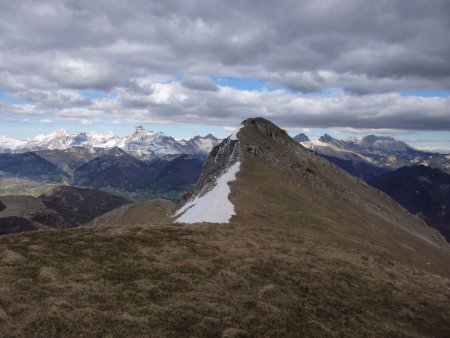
(214, 206)
(233, 136)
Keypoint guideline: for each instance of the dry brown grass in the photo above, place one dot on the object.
(212, 281)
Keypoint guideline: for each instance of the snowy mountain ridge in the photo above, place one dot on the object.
(7, 144)
(381, 151)
(140, 141)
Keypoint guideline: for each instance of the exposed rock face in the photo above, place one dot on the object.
(250, 140)
(220, 159)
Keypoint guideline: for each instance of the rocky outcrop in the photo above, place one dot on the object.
(220, 159)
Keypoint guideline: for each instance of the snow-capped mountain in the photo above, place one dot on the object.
(200, 146)
(9, 144)
(381, 151)
(140, 142)
(97, 140)
(62, 139)
(144, 141)
(381, 143)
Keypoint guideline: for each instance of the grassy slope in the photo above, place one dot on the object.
(207, 281)
(292, 275)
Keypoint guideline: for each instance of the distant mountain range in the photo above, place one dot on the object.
(143, 165)
(113, 170)
(140, 142)
(373, 152)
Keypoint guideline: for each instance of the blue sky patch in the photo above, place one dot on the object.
(97, 94)
(428, 92)
(245, 83)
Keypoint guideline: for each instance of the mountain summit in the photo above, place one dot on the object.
(261, 170)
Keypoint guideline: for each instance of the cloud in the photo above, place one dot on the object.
(173, 102)
(370, 51)
(199, 83)
(228, 106)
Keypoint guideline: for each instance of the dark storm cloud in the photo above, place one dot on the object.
(51, 49)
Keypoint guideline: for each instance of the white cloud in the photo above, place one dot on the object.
(174, 103)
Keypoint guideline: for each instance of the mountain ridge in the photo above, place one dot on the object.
(381, 151)
(140, 141)
(259, 140)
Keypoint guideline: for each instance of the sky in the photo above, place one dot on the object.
(344, 67)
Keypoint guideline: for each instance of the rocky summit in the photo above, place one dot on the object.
(306, 250)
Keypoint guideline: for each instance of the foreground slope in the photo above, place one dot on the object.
(309, 251)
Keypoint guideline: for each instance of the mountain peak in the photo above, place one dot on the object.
(373, 138)
(209, 200)
(261, 150)
(384, 143)
(140, 130)
(57, 133)
(198, 137)
(327, 138)
(266, 127)
(301, 138)
(61, 132)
